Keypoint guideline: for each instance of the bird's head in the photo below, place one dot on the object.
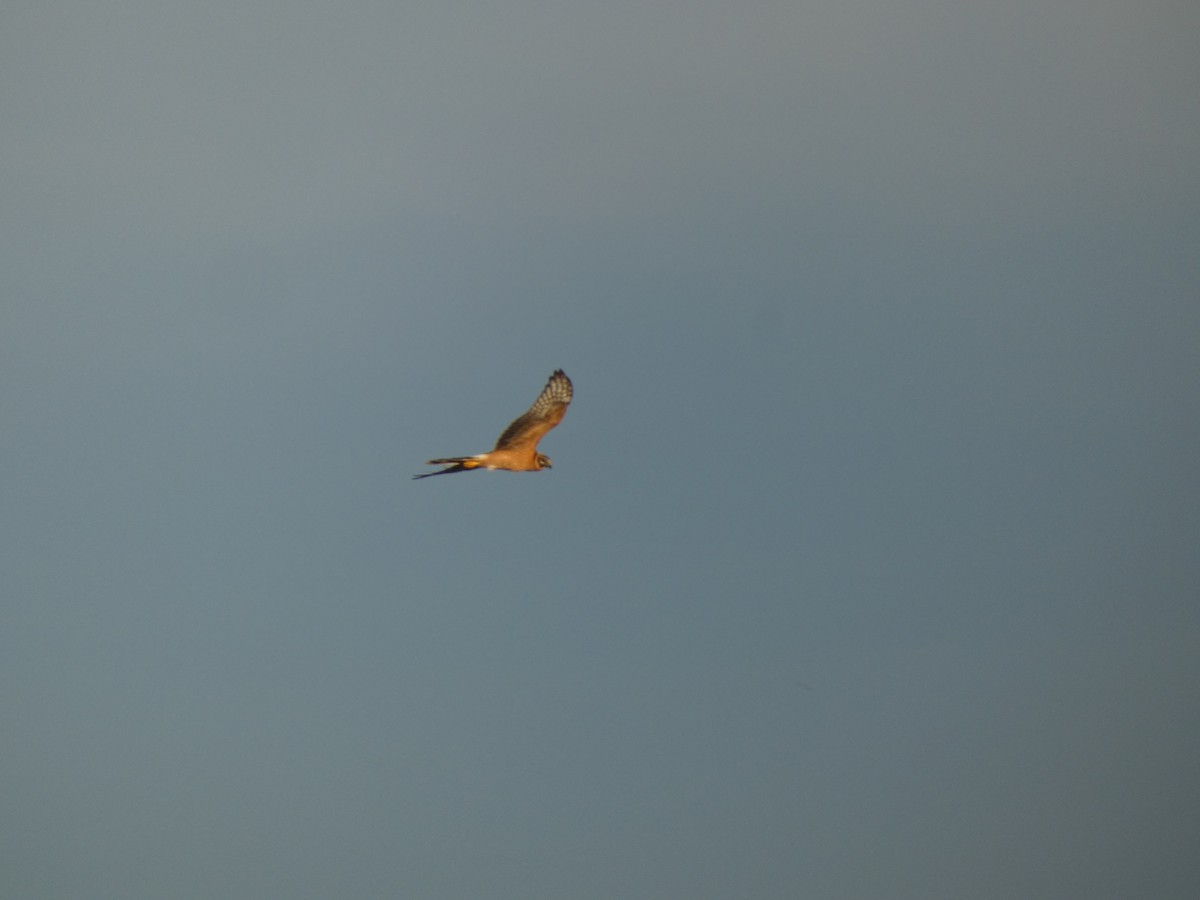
(543, 461)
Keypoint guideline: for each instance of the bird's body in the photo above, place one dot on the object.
(516, 448)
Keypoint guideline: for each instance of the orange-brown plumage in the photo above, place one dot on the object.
(516, 448)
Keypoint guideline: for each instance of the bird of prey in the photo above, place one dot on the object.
(516, 449)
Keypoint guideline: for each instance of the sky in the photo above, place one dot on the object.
(868, 563)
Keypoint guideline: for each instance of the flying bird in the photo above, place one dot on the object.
(516, 449)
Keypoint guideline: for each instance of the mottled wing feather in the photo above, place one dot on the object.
(546, 412)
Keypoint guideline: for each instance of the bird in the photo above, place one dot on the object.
(516, 448)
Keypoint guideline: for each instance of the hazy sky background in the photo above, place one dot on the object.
(869, 565)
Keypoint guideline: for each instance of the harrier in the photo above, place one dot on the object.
(516, 450)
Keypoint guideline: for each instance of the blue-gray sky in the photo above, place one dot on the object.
(868, 565)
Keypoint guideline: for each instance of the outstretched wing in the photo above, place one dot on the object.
(546, 412)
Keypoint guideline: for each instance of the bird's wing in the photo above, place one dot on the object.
(547, 411)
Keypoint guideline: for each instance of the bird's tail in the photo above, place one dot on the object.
(454, 463)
